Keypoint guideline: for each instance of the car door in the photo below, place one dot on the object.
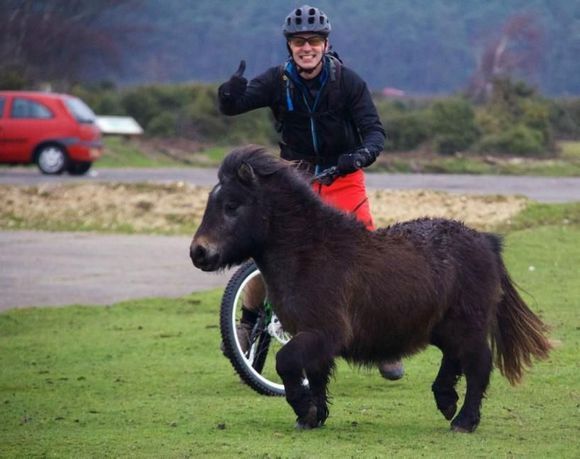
(24, 122)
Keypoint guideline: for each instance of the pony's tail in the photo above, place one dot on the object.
(518, 334)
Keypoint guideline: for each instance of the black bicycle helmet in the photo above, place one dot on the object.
(306, 19)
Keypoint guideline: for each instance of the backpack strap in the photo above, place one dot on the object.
(288, 87)
(334, 88)
(335, 67)
(284, 97)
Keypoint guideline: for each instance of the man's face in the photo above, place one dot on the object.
(307, 49)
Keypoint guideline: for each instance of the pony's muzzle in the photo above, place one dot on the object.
(204, 256)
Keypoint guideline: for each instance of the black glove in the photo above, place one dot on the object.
(350, 162)
(236, 86)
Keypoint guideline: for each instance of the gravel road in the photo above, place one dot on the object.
(52, 269)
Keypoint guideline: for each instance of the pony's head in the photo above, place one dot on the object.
(235, 222)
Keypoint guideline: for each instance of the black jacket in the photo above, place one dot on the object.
(343, 119)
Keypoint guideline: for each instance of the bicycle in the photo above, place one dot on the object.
(256, 367)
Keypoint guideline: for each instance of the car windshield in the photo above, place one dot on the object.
(80, 110)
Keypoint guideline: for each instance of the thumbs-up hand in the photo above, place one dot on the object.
(236, 86)
(241, 69)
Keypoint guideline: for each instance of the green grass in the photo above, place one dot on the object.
(570, 150)
(146, 379)
(566, 164)
(540, 214)
(216, 154)
(557, 167)
(120, 152)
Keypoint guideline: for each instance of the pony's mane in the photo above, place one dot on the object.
(262, 162)
(282, 182)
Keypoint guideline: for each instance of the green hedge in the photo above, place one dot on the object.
(184, 110)
(515, 120)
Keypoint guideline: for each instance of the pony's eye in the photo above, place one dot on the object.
(231, 206)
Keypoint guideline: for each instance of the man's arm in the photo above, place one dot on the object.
(364, 113)
(366, 119)
(235, 97)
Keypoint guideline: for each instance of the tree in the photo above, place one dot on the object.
(517, 50)
(43, 40)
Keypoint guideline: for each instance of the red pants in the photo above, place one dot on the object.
(348, 193)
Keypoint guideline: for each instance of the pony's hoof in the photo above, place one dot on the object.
(306, 426)
(459, 429)
(463, 427)
(310, 420)
(449, 412)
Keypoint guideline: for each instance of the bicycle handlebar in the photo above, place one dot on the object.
(327, 176)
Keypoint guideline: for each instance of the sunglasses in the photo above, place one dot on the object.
(298, 42)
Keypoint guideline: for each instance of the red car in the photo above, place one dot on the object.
(55, 131)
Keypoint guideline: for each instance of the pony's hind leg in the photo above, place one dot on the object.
(477, 366)
(444, 386)
(306, 353)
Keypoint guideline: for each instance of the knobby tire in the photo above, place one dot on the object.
(249, 372)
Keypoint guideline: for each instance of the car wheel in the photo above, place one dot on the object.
(79, 167)
(51, 159)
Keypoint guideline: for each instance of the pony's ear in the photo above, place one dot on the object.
(246, 174)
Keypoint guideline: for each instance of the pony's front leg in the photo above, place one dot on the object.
(306, 354)
(444, 386)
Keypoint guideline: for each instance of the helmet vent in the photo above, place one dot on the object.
(322, 19)
(312, 12)
(298, 21)
(311, 20)
(298, 12)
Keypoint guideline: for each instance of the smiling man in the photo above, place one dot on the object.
(326, 117)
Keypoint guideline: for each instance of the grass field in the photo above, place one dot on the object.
(122, 153)
(146, 379)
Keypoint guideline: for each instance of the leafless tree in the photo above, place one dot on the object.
(517, 50)
(47, 40)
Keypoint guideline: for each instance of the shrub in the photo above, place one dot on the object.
(103, 98)
(12, 78)
(453, 125)
(515, 121)
(162, 125)
(565, 118)
(515, 140)
(406, 131)
(140, 103)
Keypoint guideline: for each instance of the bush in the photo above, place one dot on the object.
(12, 78)
(565, 118)
(515, 121)
(515, 140)
(453, 125)
(406, 131)
(163, 125)
(104, 99)
(512, 122)
(406, 122)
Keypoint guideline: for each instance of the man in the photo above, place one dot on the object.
(326, 117)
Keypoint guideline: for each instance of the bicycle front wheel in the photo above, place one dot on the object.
(256, 365)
